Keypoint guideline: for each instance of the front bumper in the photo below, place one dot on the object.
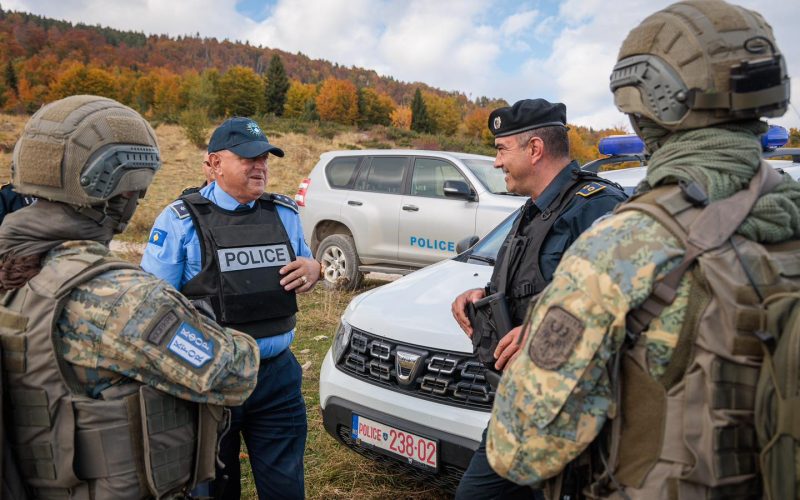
(458, 430)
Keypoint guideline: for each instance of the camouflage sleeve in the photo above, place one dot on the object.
(133, 324)
(554, 399)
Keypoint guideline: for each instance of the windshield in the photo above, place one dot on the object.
(486, 249)
(492, 178)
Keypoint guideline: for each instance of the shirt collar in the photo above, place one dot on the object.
(556, 185)
(220, 198)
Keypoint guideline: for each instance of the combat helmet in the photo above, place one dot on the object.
(84, 151)
(698, 63)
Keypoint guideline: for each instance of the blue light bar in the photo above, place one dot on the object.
(615, 145)
(775, 137)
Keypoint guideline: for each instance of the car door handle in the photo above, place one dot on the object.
(354, 203)
(411, 208)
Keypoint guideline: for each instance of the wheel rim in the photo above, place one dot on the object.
(335, 264)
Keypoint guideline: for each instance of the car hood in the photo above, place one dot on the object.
(416, 308)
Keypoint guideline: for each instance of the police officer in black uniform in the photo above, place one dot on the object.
(533, 150)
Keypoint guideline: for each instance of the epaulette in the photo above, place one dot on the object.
(284, 201)
(190, 190)
(178, 207)
(590, 189)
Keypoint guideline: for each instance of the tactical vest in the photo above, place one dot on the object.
(242, 252)
(133, 442)
(689, 434)
(523, 245)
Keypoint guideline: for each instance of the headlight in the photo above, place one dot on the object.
(341, 340)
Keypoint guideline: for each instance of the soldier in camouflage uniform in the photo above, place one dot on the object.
(722, 71)
(116, 382)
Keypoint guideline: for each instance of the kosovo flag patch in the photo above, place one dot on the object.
(157, 237)
(590, 189)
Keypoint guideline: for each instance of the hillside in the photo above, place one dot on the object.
(38, 48)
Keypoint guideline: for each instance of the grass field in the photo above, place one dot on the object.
(331, 470)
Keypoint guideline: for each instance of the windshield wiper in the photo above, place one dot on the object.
(508, 193)
(481, 258)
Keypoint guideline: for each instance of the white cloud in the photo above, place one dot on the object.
(149, 16)
(345, 31)
(518, 23)
(585, 51)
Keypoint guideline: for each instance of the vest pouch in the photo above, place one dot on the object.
(213, 423)
(44, 462)
(169, 429)
(249, 258)
(108, 447)
(644, 405)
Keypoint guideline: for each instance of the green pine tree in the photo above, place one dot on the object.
(277, 86)
(10, 78)
(420, 121)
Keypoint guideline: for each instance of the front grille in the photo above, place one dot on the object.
(446, 479)
(451, 378)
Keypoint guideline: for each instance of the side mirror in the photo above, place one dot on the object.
(465, 244)
(458, 189)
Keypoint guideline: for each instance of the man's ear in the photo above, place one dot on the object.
(536, 148)
(214, 160)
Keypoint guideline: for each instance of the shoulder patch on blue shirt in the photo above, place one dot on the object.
(284, 201)
(191, 346)
(590, 189)
(180, 210)
(157, 237)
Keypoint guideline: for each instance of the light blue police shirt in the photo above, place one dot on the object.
(173, 251)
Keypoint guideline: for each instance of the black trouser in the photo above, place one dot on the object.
(481, 482)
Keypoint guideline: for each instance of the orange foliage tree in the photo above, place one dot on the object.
(338, 101)
(476, 125)
(401, 117)
(579, 149)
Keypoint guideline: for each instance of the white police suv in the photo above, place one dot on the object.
(400, 382)
(395, 211)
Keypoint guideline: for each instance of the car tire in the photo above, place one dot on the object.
(338, 256)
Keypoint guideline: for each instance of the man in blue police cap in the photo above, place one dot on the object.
(533, 150)
(240, 252)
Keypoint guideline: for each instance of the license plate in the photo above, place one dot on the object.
(416, 450)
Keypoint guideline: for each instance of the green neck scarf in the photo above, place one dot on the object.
(723, 159)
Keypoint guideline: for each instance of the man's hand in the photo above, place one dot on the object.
(508, 348)
(459, 308)
(300, 275)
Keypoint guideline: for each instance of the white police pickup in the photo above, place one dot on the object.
(400, 382)
(395, 211)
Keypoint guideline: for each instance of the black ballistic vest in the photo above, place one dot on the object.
(242, 252)
(516, 270)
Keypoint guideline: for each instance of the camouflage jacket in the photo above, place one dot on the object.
(128, 324)
(554, 399)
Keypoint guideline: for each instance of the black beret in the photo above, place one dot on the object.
(527, 114)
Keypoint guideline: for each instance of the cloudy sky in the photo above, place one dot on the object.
(560, 50)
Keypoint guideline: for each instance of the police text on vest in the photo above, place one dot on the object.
(237, 259)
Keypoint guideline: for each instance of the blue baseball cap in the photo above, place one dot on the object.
(242, 136)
